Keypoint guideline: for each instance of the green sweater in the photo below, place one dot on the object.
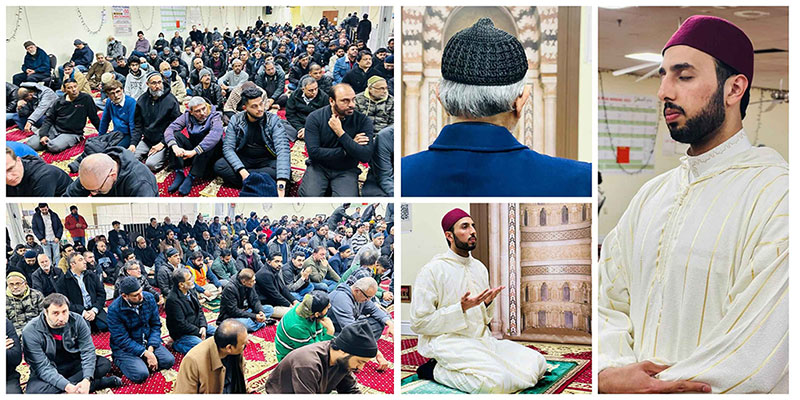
(295, 331)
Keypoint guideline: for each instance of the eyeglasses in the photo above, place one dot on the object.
(96, 191)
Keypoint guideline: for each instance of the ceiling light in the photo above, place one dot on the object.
(651, 57)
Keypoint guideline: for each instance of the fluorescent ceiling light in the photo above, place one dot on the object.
(651, 57)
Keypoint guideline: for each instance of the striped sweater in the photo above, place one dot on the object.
(294, 331)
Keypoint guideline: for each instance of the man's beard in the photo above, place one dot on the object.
(464, 245)
(344, 363)
(156, 93)
(698, 128)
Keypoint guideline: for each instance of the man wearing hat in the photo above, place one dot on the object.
(209, 89)
(341, 261)
(155, 110)
(304, 324)
(96, 71)
(216, 364)
(376, 103)
(35, 65)
(135, 328)
(483, 90)
(452, 308)
(23, 303)
(373, 246)
(82, 56)
(26, 265)
(325, 366)
(693, 279)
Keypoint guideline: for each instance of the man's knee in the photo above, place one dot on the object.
(165, 359)
(102, 367)
(155, 162)
(36, 386)
(137, 373)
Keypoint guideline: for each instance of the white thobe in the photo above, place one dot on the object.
(468, 357)
(695, 274)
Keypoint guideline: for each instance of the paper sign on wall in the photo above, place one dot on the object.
(627, 128)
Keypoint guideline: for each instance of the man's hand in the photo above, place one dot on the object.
(88, 315)
(390, 325)
(269, 104)
(260, 317)
(83, 386)
(160, 300)
(282, 187)
(639, 378)
(43, 140)
(383, 365)
(327, 323)
(388, 296)
(202, 333)
(244, 174)
(29, 71)
(21, 103)
(188, 154)
(132, 148)
(306, 272)
(155, 149)
(150, 358)
(71, 389)
(492, 294)
(9, 343)
(301, 134)
(361, 139)
(469, 302)
(336, 125)
(177, 151)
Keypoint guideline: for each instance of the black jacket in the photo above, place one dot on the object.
(297, 110)
(68, 286)
(338, 153)
(46, 283)
(298, 72)
(146, 255)
(14, 354)
(38, 225)
(237, 302)
(213, 94)
(184, 315)
(153, 116)
(154, 235)
(39, 179)
(118, 239)
(70, 116)
(357, 78)
(271, 289)
(134, 178)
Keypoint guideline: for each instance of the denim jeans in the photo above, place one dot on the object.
(326, 285)
(187, 342)
(299, 295)
(134, 367)
(252, 325)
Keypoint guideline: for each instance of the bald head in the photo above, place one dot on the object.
(97, 173)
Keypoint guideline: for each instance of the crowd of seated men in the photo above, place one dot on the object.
(206, 106)
(317, 277)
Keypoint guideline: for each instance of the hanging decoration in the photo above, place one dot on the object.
(17, 23)
(152, 15)
(83, 21)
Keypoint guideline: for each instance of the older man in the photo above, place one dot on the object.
(115, 172)
(322, 276)
(155, 110)
(201, 149)
(303, 102)
(694, 277)
(376, 102)
(186, 321)
(233, 78)
(100, 67)
(240, 301)
(35, 65)
(485, 103)
(216, 364)
(45, 277)
(23, 303)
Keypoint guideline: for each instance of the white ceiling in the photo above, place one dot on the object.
(646, 29)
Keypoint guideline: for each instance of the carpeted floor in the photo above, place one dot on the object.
(260, 361)
(201, 187)
(569, 369)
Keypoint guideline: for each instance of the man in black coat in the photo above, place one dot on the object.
(271, 288)
(113, 173)
(29, 176)
(361, 72)
(307, 99)
(240, 301)
(13, 359)
(364, 29)
(44, 279)
(48, 234)
(118, 239)
(155, 110)
(89, 303)
(144, 253)
(186, 322)
(154, 234)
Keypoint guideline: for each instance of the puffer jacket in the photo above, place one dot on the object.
(133, 332)
(381, 112)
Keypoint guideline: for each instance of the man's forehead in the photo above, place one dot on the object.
(686, 57)
(465, 220)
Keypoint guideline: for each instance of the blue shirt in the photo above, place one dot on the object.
(481, 159)
(120, 116)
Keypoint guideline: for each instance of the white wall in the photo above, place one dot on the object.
(620, 188)
(305, 209)
(425, 240)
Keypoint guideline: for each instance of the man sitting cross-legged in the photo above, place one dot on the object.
(240, 301)
(186, 321)
(65, 121)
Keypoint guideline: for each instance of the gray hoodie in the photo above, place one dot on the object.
(46, 99)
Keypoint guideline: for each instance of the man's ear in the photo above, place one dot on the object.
(735, 87)
(519, 103)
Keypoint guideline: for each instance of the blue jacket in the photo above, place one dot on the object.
(480, 159)
(84, 56)
(121, 117)
(341, 68)
(38, 62)
(133, 332)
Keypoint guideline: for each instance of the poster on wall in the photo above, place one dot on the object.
(405, 218)
(173, 18)
(627, 128)
(121, 19)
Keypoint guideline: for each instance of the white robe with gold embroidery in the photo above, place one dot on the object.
(468, 357)
(695, 274)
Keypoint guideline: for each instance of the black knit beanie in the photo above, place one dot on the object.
(483, 55)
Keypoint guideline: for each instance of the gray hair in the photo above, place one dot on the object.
(306, 80)
(462, 100)
(370, 257)
(366, 283)
(196, 101)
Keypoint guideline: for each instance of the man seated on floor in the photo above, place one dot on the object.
(23, 303)
(118, 239)
(65, 121)
(30, 176)
(298, 70)
(451, 311)
(135, 327)
(27, 265)
(209, 90)
(240, 301)
(320, 238)
(186, 321)
(278, 244)
(304, 324)
(337, 139)
(44, 279)
(87, 297)
(322, 276)
(271, 289)
(374, 246)
(376, 103)
(133, 268)
(13, 359)
(113, 173)
(272, 79)
(255, 141)
(145, 254)
(380, 177)
(341, 261)
(324, 82)
(297, 276)
(345, 63)
(70, 72)
(155, 110)
(358, 76)
(224, 267)
(30, 243)
(100, 67)
(233, 78)
(368, 266)
(215, 365)
(120, 111)
(307, 99)
(136, 80)
(59, 349)
(201, 149)
(173, 80)
(165, 270)
(207, 285)
(106, 262)
(323, 367)
(351, 304)
(32, 102)
(82, 55)
(248, 258)
(35, 65)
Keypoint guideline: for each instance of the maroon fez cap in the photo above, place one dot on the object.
(452, 217)
(718, 38)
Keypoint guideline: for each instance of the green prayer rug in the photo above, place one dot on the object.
(557, 372)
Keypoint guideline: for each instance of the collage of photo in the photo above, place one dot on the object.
(590, 199)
